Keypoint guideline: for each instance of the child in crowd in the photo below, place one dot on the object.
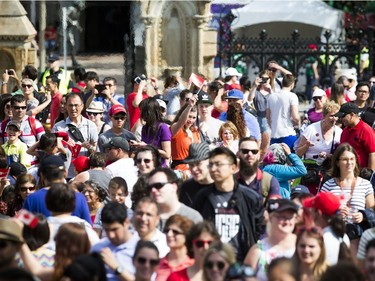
(118, 191)
(15, 149)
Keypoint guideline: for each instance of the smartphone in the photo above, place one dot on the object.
(137, 79)
(10, 72)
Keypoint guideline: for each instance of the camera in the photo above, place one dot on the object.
(138, 79)
(10, 72)
(100, 88)
(264, 80)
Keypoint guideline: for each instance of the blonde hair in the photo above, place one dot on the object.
(228, 125)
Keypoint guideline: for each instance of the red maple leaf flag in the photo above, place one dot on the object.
(27, 218)
(196, 80)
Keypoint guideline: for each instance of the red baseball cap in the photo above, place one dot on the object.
(117, 108)
(81, 163)
(326, 202)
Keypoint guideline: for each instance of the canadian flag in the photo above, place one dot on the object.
(27, 218)
(4, 172)
(196, 80)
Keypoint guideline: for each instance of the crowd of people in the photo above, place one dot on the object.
(220, 180)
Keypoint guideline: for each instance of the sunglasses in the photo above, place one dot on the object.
(123, 117)
(147, 161)
(317, 98)
(94, 113)
(7, 106)
(174, 231)
(201, 243)
(143, 261)
(157, 185)
(27, 86)
(311, 229)
(19, 107)
(246, 151)
(25, 188)
(4, 244)
(210, 265)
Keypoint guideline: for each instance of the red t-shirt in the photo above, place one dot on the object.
(179, 276)
(55, 108)
(134, 112)
(362, 138)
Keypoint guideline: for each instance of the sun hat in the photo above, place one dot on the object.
(96, 107)
(198, 152)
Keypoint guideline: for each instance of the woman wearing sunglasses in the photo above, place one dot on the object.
(310, 255)
(217, 261)
(95, 114)
(25, 185)
(315, 114)
(198, 240)
(176, 228)
(145, 260)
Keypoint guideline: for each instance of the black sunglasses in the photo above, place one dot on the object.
(93, 113)
(123, 117)
(174, 231)
(26, 85)
(143, 260)
(246, 151)
(147, 161)
(317, 98)
(210, 265)
(201, 243)
(19, 107)
(24, 189)
(157, 185)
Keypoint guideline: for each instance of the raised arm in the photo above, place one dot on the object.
(175, 127)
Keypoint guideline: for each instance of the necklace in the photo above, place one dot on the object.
(354, 182)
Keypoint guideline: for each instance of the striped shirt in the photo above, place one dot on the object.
(362, 189)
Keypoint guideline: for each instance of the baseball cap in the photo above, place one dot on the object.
(279, 205)
(10, 231)
(14, 124)
(318, 93)
(326, 202)
(81, 163)
(51, 161)
(53, 57)
(347, 108)
(299, 189)
(203, 97)
(117, 108)
(235, 94)
(198, 152)
(231, 71)
(117, 142)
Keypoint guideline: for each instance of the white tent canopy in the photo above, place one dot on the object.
(312, 12)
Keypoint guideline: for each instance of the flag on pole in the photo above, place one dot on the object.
(196, 80)
(27, 218)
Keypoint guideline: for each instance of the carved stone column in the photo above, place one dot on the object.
(150, 55)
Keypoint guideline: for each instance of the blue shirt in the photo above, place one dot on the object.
(36, 203)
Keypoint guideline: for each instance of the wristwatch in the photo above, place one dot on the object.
(119, 270)
(3, 83)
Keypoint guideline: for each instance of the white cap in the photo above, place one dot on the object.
(318, 93)
(231, 71)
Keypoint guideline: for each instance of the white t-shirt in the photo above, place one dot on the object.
(279, 104)
(313, 133)
(211, 126)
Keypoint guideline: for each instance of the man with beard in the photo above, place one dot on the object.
(250, 175)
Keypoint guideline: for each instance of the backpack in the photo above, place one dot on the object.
(31, 124)
(265, 184)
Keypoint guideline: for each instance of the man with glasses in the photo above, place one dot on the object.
(118, 116)
(81, 131)
(362, 94)
(358, 134)
(163, 186)
(118, 153)
(236, 210)
(31, 129)
(250, 175)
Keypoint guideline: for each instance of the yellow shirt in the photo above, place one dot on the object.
(16, 152)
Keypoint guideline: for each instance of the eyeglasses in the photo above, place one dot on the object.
(109, 85)
(143, 261)
(27, 188)
(219, 165)
(272, 69)
(74, 105)
(19, 107)
(122, 117)
(317, 98)
(347, 159)
(93, 113)
(7, 106)
(147, 161)
(201, 243)
(157, 185)
(246, 151)
(90, 191)
(210, 265)
(363, 92)
(27, 86)
(285, 218)
(174, 231)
